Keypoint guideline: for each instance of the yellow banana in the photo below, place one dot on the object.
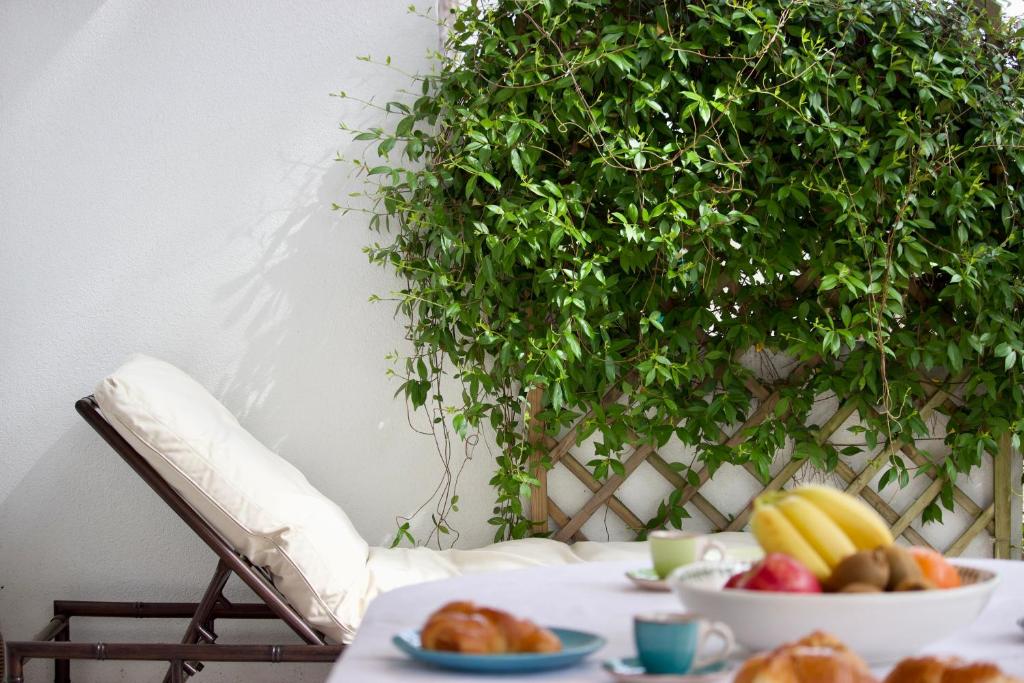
(776, 534)
(818, 529)
(862, 525)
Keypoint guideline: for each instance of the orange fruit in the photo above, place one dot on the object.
(935, 567)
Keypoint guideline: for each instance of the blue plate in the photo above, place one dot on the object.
(575, 646)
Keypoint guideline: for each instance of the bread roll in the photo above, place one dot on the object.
(820, 658)
(815, 659)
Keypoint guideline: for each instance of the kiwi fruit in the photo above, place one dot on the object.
(865, 567)
(903, 569)
(860, 588)
(918, 584)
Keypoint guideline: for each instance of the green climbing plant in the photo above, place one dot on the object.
(629, 194)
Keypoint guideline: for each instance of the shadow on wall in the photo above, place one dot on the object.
(291, 305)
(309, 347)
(315, 358)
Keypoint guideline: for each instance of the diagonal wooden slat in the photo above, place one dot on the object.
(568, 440)
(790, 469)
(604, 493)
(884, 509)
(539, 502)
(847, 474)
(754, 387)
(953, 400)
(959, 497)
(717, 519)
(580, 471)
(562, 446)
(760, 414)
(876, 463)
(960, 544)
(561, 519)
(914, 509)
(690, 493)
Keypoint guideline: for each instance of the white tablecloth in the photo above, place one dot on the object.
(597, 597)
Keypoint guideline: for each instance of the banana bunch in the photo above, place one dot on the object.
(817, 525)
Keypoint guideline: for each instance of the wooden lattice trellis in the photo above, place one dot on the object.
(1002, 519)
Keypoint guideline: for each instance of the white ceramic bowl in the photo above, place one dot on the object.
(880, 627)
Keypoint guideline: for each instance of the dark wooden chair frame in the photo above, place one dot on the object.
(198, 643)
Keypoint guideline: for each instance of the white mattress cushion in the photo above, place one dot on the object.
(392, 568)
(259, 502)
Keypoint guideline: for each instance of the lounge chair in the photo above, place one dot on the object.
(198, 642)
(293, 547)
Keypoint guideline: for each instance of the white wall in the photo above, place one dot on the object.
(166, 177)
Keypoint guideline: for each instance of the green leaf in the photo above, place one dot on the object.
(460, 425)
(517, 163)
(574, 345)
(705, 111)
(405, 126)
(782, 406)
(956, 361)
(619, 61)
(491, 180)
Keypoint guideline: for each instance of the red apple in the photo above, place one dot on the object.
(778, 573)
(738, 580)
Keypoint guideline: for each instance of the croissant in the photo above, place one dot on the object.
(818, 657)
(946, 670)
(457, 632)
(464, 627)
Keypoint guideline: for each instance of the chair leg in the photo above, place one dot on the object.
(15, 670)
(62, 667)
(201, 625)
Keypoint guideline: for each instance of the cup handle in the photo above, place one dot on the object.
(715, 628)
(713, 547)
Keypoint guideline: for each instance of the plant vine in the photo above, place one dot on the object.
(627, 196)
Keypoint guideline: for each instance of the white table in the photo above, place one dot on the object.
(597, 597)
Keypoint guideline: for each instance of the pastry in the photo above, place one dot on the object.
(946, 670)
(458, 632)
(817, 658)
(820, 657)
(465, 627)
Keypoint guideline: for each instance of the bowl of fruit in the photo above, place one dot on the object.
(831, 563)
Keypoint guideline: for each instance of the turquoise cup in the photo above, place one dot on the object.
(672, 642)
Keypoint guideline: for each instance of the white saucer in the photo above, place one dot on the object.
(647, 579)
(630, 670)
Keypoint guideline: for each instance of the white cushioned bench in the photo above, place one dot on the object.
(273, 516)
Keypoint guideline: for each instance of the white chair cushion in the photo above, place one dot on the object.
(259, 502)
(392, 568)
